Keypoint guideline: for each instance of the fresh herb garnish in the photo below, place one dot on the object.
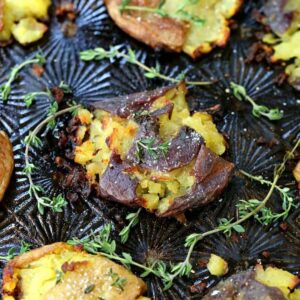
(130, 57)
(31, 97)
(148, 144)
(180, 14)
(266, 215)
(258, 111)
(59, 276)
(223, 226)
(32, 140)
(89, 289)
(134, 219)
(52, 110)
(65, 87)
(12, 252)
(102, 243)
(5, 89)
(117, 280)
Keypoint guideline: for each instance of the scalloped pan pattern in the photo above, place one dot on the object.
(153, 238)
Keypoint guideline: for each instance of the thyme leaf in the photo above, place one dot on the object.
(148, 144)
(59, 275)
(258, 111)
(89, 289)
(117, 280)
(134, 219)
(130, 57)
(12, 252)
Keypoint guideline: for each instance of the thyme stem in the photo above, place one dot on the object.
(33, 134)
(150, 72)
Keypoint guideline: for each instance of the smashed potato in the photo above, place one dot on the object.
(61, 271)
(149, 150)
(284, 19)
(258, 283)
(194, 27)
(6, 163)
(23, 20)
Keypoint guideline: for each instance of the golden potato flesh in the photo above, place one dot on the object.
(61, 271)
(6, 163)
(296, 173)
(194, 28)
(279, 278)
(23, 20)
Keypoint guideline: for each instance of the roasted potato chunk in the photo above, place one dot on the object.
(194, 28)
(61, 271)
(148, 150)
(23, 20)
(296, 173)
(6, 163)
(257, 284)
(217, 266)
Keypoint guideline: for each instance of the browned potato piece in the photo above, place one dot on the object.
(1, 14)
(61, 271)
(6, 162)
(153, 30)
(194, 28)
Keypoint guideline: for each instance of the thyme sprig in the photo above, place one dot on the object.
(103, 244)
(266, 215)
(12, 252)
(32, 140)
(5, 89)
(153, 150)
(180, 14)
(134, 220)
(184, 268)
(31, 97)
(130, 57)
(117, 280)
(258, 111)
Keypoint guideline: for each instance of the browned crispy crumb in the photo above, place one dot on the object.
(266, 254)
(66, 14)
(58, 94)
(198, 288)
(38, 70)
(283, 226)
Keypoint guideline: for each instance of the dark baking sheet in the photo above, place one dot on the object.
(154, 238)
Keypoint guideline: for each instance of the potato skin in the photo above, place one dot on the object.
(6, 163)
(243, 286)
(212, 173)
